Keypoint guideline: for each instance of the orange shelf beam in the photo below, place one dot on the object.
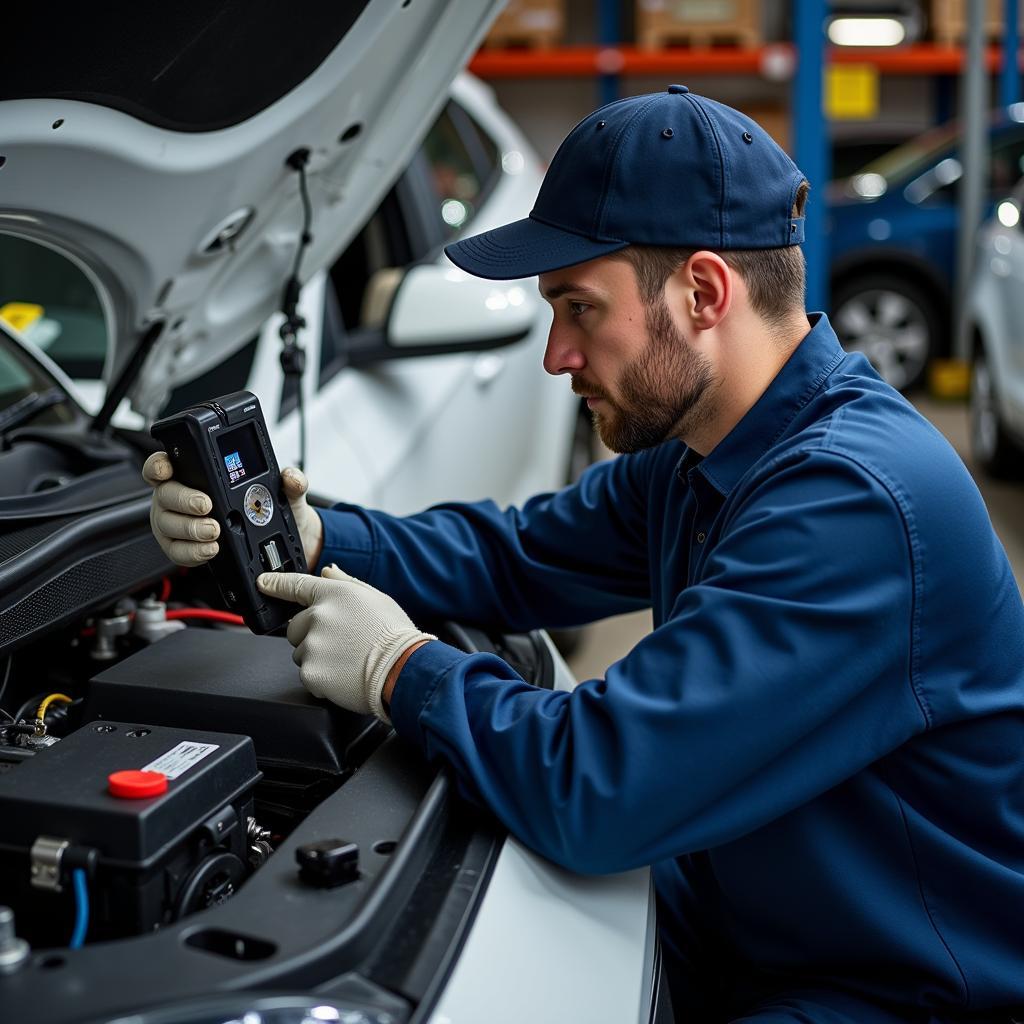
(770, 61)
(920, 59)
(581, 61)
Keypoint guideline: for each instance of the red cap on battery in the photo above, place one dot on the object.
(136, 785)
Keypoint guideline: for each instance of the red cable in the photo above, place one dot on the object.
(165, 589)
(206, 613)
(210, 614)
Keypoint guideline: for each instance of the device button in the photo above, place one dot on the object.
(136, 785)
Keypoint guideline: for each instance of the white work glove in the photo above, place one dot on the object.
(348, 637)
(180, 523)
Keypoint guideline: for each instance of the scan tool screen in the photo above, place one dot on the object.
(243, 458)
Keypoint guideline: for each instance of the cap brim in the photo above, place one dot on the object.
(525, 248)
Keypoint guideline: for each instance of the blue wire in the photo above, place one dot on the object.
(81, 909)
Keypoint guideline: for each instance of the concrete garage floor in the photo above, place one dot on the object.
(607, 641)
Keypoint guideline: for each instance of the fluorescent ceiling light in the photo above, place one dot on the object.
(866, 32)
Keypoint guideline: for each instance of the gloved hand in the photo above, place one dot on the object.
(348, 637)
(178, 515)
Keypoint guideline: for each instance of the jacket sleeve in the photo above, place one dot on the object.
(784, 671)
(561, 560)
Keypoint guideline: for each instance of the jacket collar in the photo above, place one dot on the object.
(794, 386)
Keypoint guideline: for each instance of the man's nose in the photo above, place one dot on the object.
(562, 355)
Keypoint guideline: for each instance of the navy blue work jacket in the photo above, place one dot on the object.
(820, 745)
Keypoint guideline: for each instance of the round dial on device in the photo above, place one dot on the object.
(259, 505)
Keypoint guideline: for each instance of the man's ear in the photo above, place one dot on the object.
(705, 285)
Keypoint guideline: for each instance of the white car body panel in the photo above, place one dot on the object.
(995, 306)
(402, 424)
(550, 946)
(137, 203)
(408, 433)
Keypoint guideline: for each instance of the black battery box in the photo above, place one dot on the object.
(145, 861)
(201, 678)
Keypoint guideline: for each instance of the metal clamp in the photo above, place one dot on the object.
(107, 632)
(46, 856)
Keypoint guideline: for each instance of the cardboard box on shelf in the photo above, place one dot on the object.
(537, 24)
(949, 21)
(697, 23)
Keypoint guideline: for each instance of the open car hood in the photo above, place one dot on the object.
(154, 152)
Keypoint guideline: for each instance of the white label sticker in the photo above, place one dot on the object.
(179, 759)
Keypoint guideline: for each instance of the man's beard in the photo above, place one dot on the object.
(663, 393)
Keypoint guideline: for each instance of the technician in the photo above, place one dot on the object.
(820, 747)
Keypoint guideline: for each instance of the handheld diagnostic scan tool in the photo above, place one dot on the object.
(221, 447)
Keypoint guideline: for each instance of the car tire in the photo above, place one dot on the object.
(893, 321)
(994, 451)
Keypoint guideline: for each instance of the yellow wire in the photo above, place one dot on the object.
(41, 713)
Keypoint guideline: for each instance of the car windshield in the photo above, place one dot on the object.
(913, 157)
(26, 390)
(53, 305)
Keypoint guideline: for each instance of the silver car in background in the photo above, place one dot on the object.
(992, 337)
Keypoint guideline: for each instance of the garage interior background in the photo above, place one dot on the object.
(543, 59)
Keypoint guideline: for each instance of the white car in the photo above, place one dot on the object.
(390, 428)
(994, 341)
(302, 864)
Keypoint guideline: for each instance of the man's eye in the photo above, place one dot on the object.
(577, 308)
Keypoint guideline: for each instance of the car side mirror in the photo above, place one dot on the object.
(435, 309)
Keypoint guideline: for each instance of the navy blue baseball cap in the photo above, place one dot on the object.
(670, 168)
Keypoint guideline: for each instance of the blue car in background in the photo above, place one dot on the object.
(893, 237)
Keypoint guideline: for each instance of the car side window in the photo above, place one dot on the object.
(456, 167)
(359, 287)
(1006, 166)
(485, 150)
(53, 304)
(463, 162)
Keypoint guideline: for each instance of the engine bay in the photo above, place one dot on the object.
(184, 691)
(289, 845)
(288, 832)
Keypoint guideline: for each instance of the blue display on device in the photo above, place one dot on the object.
(235, 468)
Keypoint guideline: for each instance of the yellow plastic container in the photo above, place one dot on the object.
(949, 378)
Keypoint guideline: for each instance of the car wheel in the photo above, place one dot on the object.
(992, 449)
(894, 322)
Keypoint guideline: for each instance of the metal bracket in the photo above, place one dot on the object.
(46, 856)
